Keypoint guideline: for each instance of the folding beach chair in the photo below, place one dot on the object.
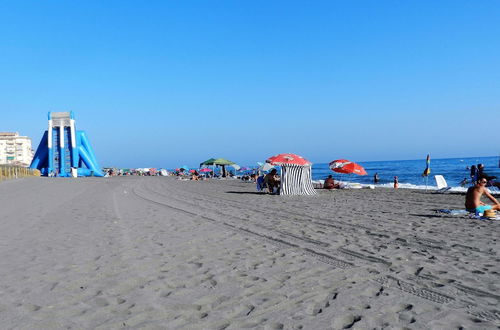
(442, 186)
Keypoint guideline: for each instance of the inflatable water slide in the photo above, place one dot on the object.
(64, 151)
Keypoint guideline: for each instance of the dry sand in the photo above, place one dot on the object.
(158, 253)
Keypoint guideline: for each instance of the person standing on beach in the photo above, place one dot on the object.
(376, 179)
(480, 172)
(473, 201)
(396, 182)
(473, 174)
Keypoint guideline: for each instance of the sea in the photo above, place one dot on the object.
(409, 172)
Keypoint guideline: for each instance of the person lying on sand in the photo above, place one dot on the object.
(473, 197)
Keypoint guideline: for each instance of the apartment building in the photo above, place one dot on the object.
(15, 149)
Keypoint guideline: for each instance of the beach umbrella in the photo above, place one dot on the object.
(222, 162)
(427, 170)
(206, 169)
(208, 162)
(288, 159)
(219, 161)
(264, 167)
(347, 167)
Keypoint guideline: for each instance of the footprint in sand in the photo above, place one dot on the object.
(32, 307)
(345, 321)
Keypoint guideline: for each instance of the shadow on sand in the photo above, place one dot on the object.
(247, 192)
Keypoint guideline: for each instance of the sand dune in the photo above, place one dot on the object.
(158, 253)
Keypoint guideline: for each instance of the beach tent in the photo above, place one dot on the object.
(295, 174)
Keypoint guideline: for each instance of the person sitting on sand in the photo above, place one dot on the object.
(195, 176)
(473, 201)
(330, 183)
(272, 181)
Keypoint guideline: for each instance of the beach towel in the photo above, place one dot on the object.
(461, 212)
(453, 212)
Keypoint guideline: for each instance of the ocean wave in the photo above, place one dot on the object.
(349, 184)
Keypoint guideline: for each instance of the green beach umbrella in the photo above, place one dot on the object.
(208, 162)
(222, 161)
(218, 161)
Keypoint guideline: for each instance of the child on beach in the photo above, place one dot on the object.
(396, 182)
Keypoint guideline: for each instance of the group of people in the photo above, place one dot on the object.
(481, 180)
(477, 172)
(270, 182)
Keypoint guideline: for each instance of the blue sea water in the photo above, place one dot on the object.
(409, 172)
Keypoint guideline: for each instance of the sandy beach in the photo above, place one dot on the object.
(159, 253)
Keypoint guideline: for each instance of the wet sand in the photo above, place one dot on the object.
(158, 253)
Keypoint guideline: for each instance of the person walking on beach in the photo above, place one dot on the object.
(396, 182)
(473, 201)
(376, 179)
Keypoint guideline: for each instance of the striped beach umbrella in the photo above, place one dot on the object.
(295, 174)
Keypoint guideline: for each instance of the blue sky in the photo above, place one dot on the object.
(167, 83)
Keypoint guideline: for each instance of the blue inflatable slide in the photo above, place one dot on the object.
(63, 151)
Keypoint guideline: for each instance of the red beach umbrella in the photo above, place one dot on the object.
(347, 167)
(203, 170)
(288, 159)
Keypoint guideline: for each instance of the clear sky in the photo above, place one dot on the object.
(167, 83)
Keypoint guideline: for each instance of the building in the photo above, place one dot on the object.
(15, 149)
